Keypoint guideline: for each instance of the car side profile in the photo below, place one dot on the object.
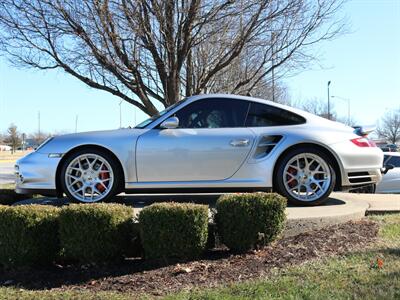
(391, 181)
(207, 143)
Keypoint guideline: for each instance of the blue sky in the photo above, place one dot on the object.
(363, 66)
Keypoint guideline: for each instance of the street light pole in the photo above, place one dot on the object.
(329, 102)
(39, 125)
(76, 123)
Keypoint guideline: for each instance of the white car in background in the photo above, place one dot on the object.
(391, 180)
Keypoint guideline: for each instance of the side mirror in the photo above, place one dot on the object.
(387, 168)
(170, 123)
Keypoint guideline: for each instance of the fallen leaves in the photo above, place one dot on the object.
(377, 263)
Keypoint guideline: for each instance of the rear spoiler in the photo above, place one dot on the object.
(364, 130)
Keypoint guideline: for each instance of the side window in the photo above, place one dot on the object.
(213, 113)
(263, 115)
(395, 161)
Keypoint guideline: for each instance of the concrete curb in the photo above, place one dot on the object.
(341, 208)
(323, 216)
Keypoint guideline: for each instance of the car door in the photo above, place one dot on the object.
(211, 143)
(391, 180)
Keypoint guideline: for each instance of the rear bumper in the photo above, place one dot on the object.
(360, 166)
(361, 178)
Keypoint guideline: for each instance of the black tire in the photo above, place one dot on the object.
(115, 166)
(279, 182)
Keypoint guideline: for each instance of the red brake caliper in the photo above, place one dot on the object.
(292, 171)
(102, 176)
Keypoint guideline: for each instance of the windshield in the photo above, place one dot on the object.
(156, 116)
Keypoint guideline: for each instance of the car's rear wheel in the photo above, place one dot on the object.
(90, 175)
(305, 176)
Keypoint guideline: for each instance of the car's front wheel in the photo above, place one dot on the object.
(305, 176)
(90, 175)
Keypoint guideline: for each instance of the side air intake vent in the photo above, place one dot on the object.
(265, 145)
(360, 177)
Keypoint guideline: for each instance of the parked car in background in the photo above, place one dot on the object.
(208, 143)
(389, 148)
(391, 180)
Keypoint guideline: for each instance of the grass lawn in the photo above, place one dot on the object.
(370, 274)
(7, 186)
(7, 156)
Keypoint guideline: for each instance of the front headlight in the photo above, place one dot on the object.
(44, 143)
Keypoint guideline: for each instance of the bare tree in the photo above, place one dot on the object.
(317, 107)
(39, 137)
(278, 92)
(13, 137)
(149, 51)
(2, 138)
(349, 121)
(389, 126)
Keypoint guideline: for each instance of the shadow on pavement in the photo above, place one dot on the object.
(137, 201)
(140, 201)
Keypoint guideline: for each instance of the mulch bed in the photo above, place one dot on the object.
(216, 267)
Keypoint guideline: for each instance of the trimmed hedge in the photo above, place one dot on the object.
(248, 221)
(174, 230)
(28, 235)
(89, 233)
(96, 232)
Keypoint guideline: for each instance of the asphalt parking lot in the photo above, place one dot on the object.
(6, 172)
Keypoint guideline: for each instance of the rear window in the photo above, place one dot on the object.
(262, 115)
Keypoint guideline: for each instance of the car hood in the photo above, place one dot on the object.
(106, 138)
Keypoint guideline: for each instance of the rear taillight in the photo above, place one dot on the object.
(363, 142)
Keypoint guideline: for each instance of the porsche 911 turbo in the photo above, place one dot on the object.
(207, 143)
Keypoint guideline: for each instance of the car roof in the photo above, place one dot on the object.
(392, 153)
(246, 98)
(308, 116)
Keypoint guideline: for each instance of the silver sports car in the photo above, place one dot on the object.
(207, 143)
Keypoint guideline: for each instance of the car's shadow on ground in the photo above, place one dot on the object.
(137, 201)
(141, 201)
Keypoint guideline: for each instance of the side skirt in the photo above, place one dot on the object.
(195, 190)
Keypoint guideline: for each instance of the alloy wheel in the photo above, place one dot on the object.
(307, 177)
(89, 178)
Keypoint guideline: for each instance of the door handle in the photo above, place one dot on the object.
(239, 143)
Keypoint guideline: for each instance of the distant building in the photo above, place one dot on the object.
(380, 142)
(5, 148)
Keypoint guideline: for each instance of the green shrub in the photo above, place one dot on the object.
(96, 232)
(28, 235)
(247, 221)
(174, 230)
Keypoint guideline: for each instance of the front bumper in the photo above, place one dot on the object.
(36, 173)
